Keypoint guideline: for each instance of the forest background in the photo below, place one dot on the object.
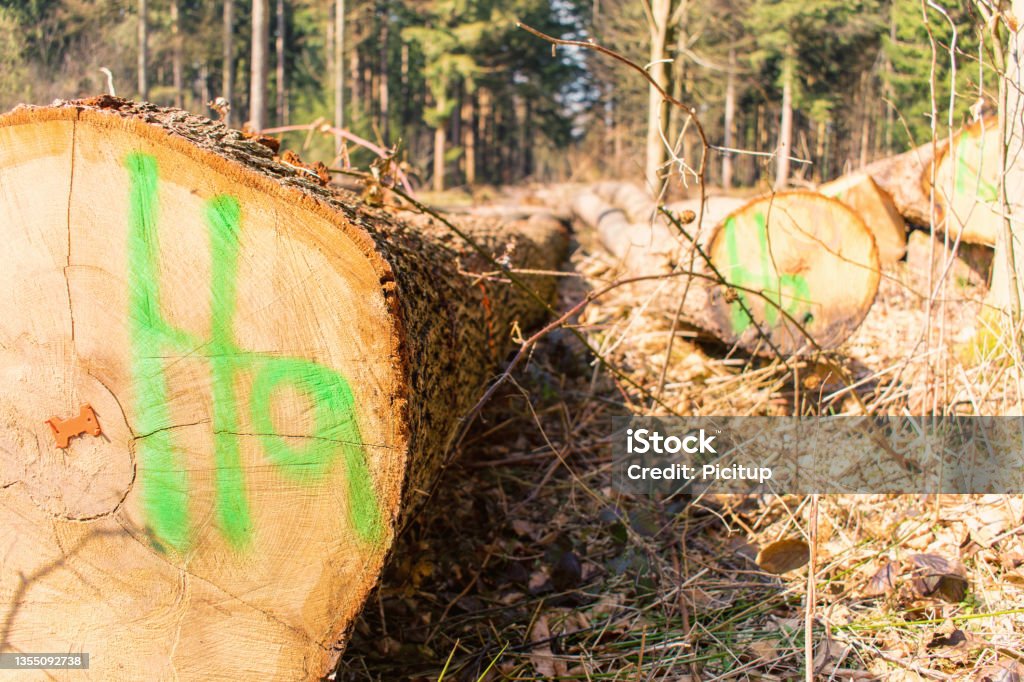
(473, 100)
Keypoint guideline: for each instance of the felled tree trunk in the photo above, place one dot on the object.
(275, 372)
(906, 178)
(876, 208)
(966, 183)
(802, 265)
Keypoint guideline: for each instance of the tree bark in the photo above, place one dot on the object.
(655, 150)
(143, 50)
(228, 58)
(276, 371)
(260, 64)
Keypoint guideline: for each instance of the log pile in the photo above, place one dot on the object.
(798, 262)
(275, 372)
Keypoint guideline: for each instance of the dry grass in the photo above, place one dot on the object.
(526, 564)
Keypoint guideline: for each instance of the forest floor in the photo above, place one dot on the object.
(527, 564)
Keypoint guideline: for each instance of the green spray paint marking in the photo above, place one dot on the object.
(967, 173)
(164, 481)
(772, 285)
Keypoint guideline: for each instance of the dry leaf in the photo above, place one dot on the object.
(763, 650)
(522, 528)
(883, 582)
(783, 556)
(1003, 671)
(1015, 577)
(935, 576)
(740, 546)
(541, 657)
(987, 524)
(567, 572)
(955, 638)
(538, 579)
(826, 652)
(1011, 560)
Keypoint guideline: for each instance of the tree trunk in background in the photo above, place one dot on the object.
(819, 150)
(1007, 293)
(228, 73)
(455, 124)
(469, 137)
(889, 103)
(382, 79)
(439, 149)
(369, 96)
(281, 86)
(730, 120)
(260, 64)
(404, 91)
(785, 148)
(527, 124)
(655, 103)
(176, 57)
(355, 83)
(339, 64)
(485, 116)
(865, 123)
(761, 135)
(143, 51)
(677, 75)
(204, 85)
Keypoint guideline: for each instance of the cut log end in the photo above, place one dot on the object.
(238, 352)
(249, 351)
(967, 183)
(802, 265)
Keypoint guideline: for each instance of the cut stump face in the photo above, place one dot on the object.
(797, 259)
(229, 341)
